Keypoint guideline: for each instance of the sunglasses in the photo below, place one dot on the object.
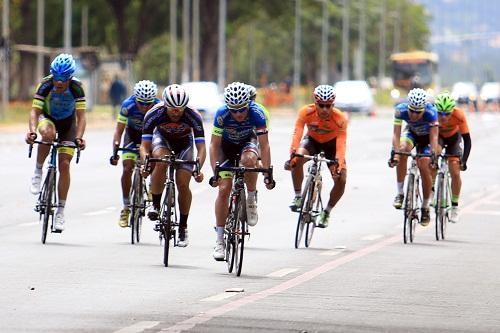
(444, 114)
(324, 106)
(175, 110)
(238, 110)
(60, 78)
(141, 103)
(413, 110)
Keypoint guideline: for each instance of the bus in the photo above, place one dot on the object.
(408, 67)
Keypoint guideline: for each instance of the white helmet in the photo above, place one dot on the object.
(252, 92)
(417, 98)
(324, 94)
(145, 91)
(175, 96)
(236, 94)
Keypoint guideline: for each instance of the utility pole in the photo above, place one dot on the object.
(196, 40)
(324, 45)
(185, 40)
(359, 68)
(251, 53)
(381, 51)
(85, 25)
(296, 54)
(345, 39)
(397, 28)
(67, 25)
(221, 59)
(5, 56)
(40, 33)
(173, 41)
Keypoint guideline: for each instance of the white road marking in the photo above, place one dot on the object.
(340, 247)
(138, 327)
(329, 253)
(218, 297)
(372, 237)
(282, 272)
(483, 212)
(28, 224)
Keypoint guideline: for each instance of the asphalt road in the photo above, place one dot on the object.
(357, 276)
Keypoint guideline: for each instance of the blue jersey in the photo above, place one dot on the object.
(421, 126)
(238, 132)
(56, 105)
(130, 114)
(190, 124)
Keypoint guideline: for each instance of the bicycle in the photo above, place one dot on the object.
(138, 196)
(168, 224)
(236, 228)
(413, 197)
(312, 204)
(47, 198)
(443, 195)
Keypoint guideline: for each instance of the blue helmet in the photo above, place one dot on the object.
(63, 67)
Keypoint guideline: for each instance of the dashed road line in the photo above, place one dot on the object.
(218, 297)
(282, 272)
(138, 327)
(330, 253)
(372, 237)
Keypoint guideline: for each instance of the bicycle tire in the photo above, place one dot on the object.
(318, 208)
(408, 210)
(133, 208)
(47, 198)
(439, 206)
(240, 233)
(417, 202)
(230, 237)
(446, 211)
(137, 206)
(303, 213)
(167, 223)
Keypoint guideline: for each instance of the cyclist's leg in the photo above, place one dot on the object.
(339, 178)
(307, 147)
(182, 179)
(425, 169)
(454, 165)
(249, 158)
(406, 144)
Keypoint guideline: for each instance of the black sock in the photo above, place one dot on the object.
(156, 201)
(183, 221)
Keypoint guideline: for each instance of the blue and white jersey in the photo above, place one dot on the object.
(421, 126)
(130, 115)
(237, 132)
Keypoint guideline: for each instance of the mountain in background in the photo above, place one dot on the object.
(466, 36)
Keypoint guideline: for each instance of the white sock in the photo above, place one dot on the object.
(426, 203)
(38, 169)
(252, 196)
(220, 234)
(60, 207)
(401, 187)
(126, 202)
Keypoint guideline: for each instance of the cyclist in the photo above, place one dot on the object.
(327, 132)
(130, 120)
(239, 130)
(58, 108)
(453, 128)
(172, 126)
(421, 132)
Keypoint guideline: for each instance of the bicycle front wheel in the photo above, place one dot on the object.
(409, 210)
(48, 201)
(166, 222)
(137, 198)
(305, 211)
(439, 207)
(318, 208)
(240, 236)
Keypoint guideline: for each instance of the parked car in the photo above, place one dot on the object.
(204, 96)
(464, 92)
(490, 92)
(354, 96)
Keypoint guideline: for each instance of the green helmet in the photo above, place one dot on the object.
(444, 103)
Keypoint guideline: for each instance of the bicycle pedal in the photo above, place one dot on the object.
(55, 231)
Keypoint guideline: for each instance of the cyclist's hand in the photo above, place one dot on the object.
(113, 160)
(214, 181)
(80, 143)
(434, 163)
(198, 177)
(392, 162)
(270, 183)
(335, 171)
(144, 172)
(463, 166)
(287, 165)
(30, 137)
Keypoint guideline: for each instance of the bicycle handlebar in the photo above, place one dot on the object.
(171, 160)
(55, 145)
(317, 158)
(241, 170)
(411, 154)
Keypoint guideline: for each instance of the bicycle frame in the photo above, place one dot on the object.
(442, 195)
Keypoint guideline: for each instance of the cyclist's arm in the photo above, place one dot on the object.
(433, 138)
(265, 150)
(81, 122)
(117, 137)
(297, 132)
(396, 136)
(467, 146)
(341, 149)
(33, 122)
(215, 143)
(145, 149)
(201, 152)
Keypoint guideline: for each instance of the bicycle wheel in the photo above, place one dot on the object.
(240, 234)
(439, 206)
(417, 202)
(230, 234)
(304, 213)
(137, 197)
(408, 210)
(48, 200)
(446, 204)
(318, 208)
(166, 222)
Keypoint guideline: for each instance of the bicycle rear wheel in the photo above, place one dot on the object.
(48, 200)
(439, 207)
(318, 208)
(408, 210)
(137, 197)
(305, 211)
(166, 222)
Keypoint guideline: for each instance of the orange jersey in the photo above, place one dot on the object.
(456, 123)
(322, 130)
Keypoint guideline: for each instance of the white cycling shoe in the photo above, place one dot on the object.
(219, 251)
(252, 217)
(59, 222)
(454, 214)
(36, 184)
